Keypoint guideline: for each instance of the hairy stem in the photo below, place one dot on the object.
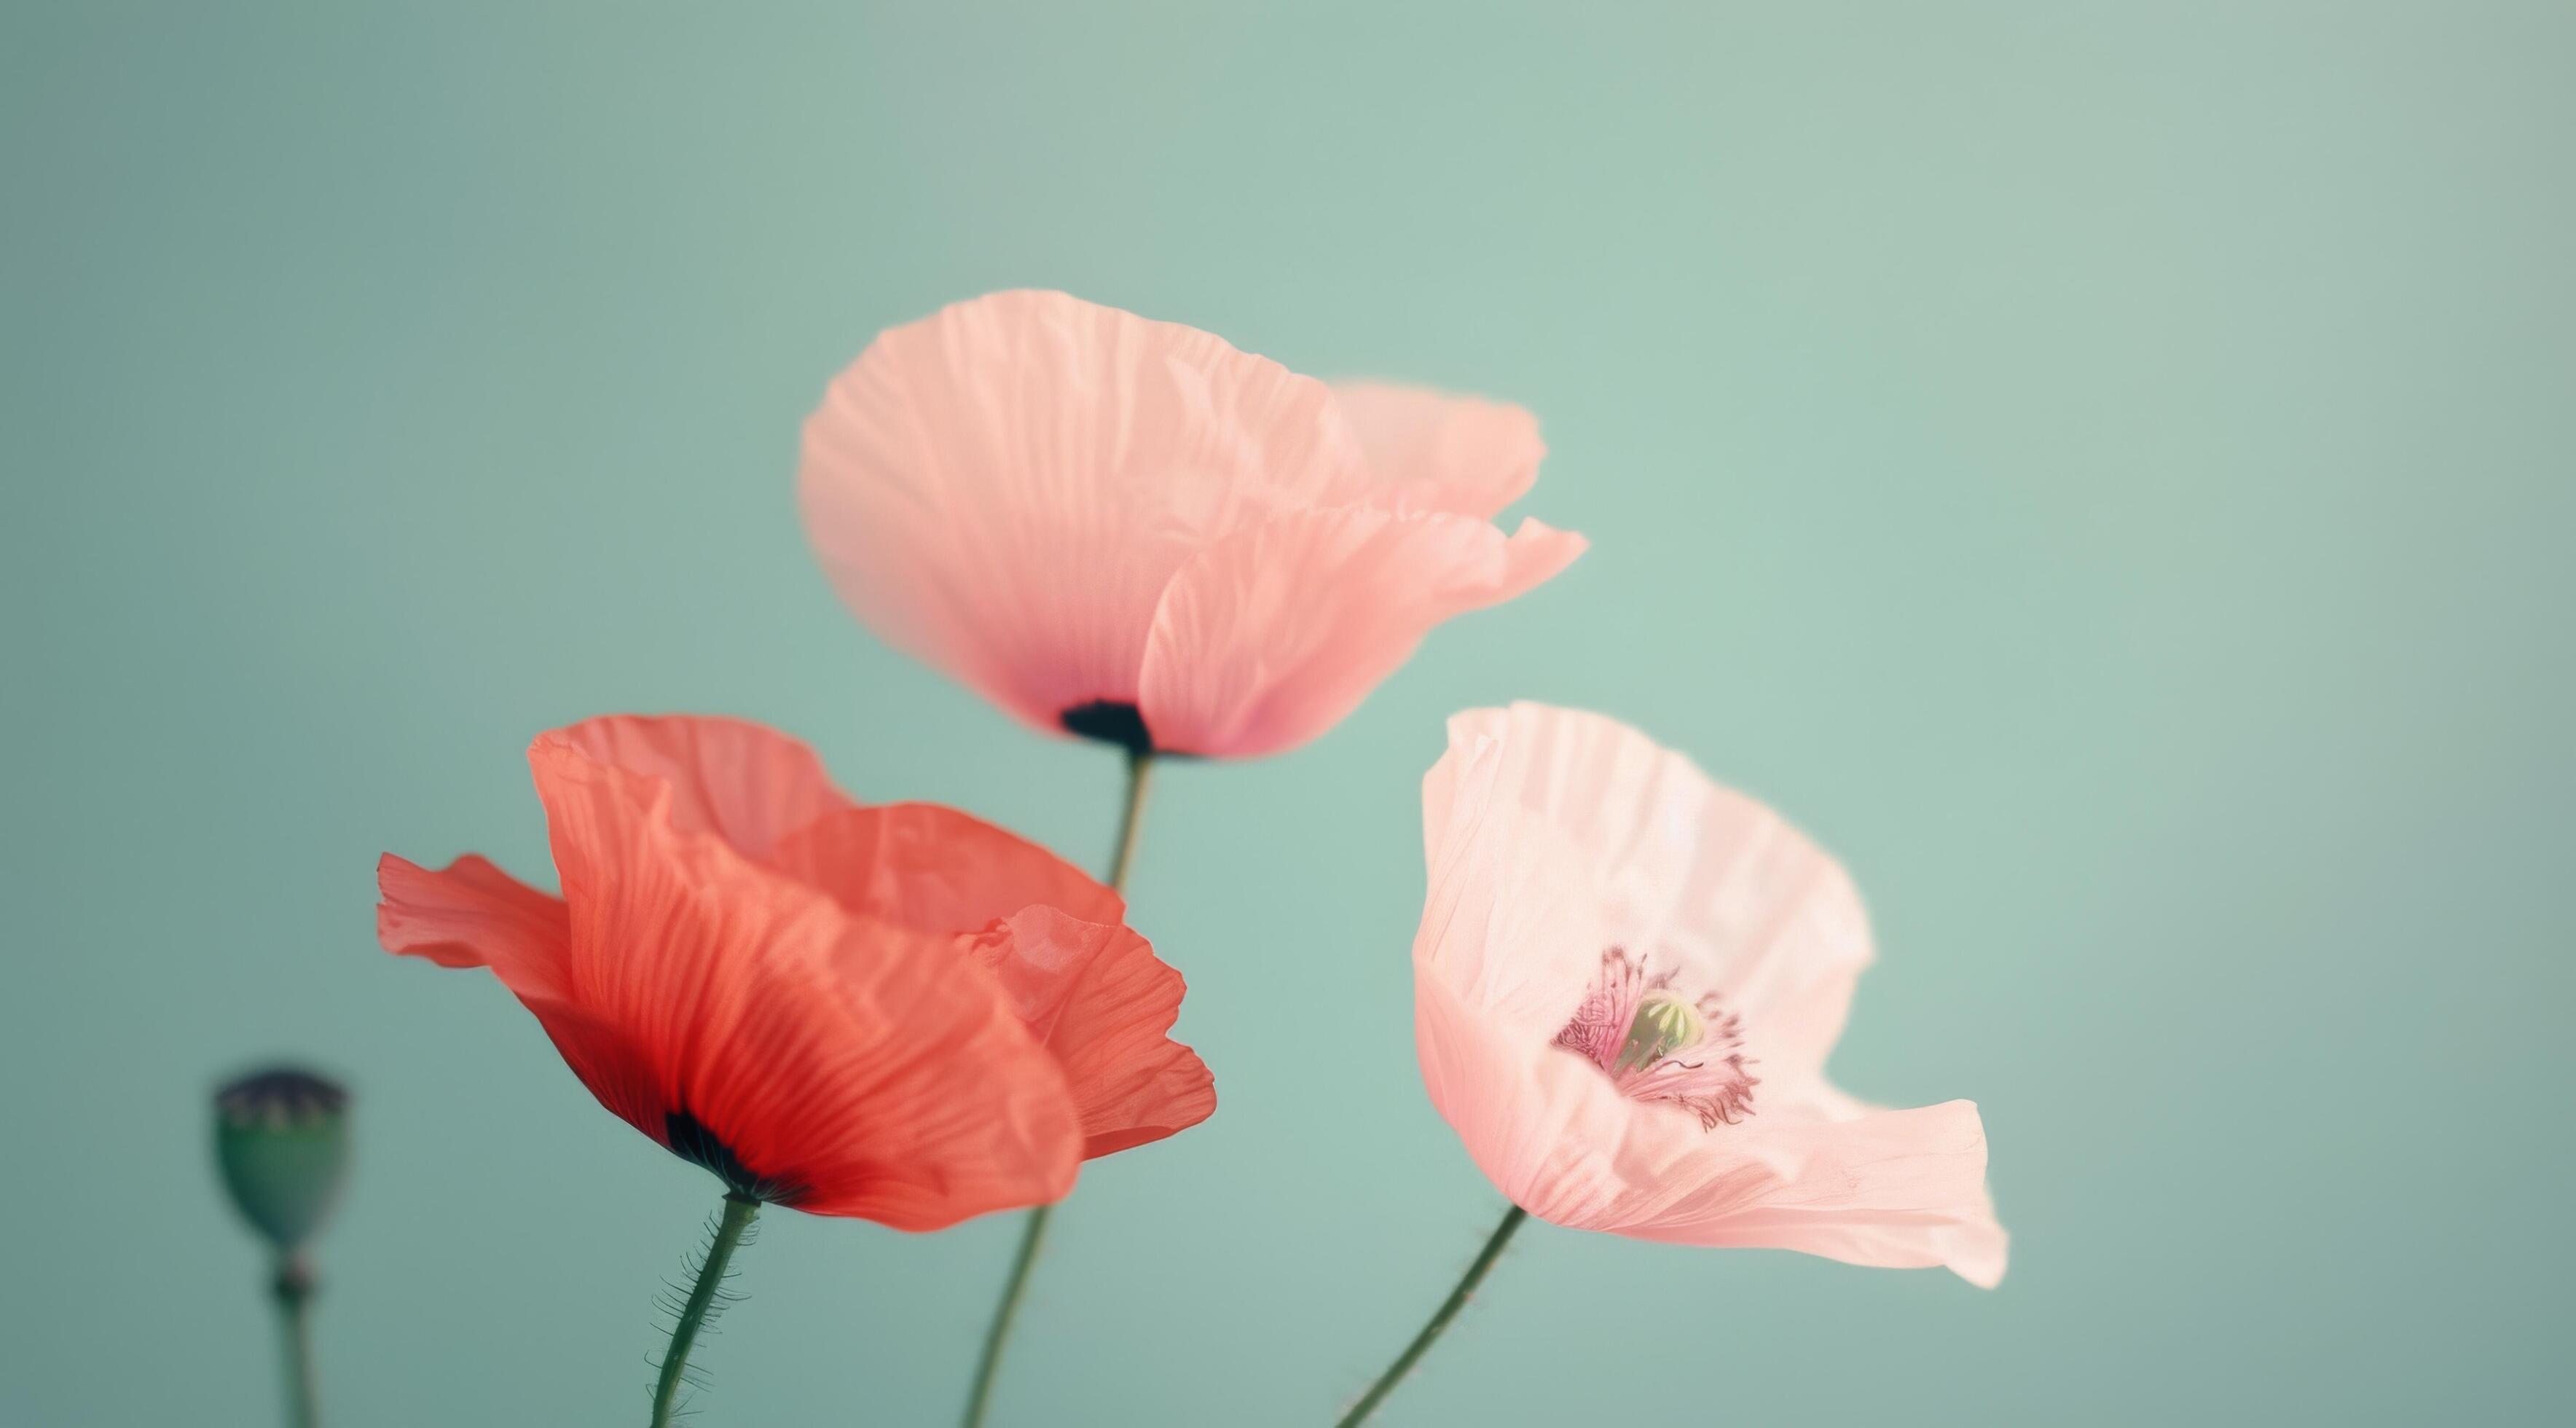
(1440, 1318)
(702, 1296)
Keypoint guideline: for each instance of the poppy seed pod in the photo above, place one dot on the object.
(282, 1142)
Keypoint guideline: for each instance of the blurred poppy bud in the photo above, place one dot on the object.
(282, 1141)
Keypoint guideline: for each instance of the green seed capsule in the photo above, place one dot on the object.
(1663, 1025)
(282, 1142)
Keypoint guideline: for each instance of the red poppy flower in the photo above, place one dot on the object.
(898, 1013)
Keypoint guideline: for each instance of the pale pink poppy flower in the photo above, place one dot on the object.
(1627, 981)
(1131, 531)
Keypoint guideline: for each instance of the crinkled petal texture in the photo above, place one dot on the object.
(1270, 636)
(1099, 1000)
(1068, 506)
(1553, 835)
(896, 1013)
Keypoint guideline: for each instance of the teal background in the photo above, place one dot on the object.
(2104, 468)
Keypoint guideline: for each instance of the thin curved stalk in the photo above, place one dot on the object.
(294, 1289)
(988, 1367)
(1440, 1318)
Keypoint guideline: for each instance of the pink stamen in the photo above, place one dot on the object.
(1705, 1076)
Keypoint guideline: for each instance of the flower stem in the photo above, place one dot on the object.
(1131, 820)
(702, 1297)
(990, 1365)
(294, 1290)
(1131, 825)
(1440, 1318)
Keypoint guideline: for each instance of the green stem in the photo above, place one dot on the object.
(1131, 820)
(989, 1367)
(294, 1288)
(693, 1315)
(1440, 1318)
(1131, 825)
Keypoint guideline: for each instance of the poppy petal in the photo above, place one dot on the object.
(1271, 635)
(1433, 451)
(1004, 488)
(768, 797)
(1546, 1128)
(891, 1087)
(611, 1065)
(1903, 1189)
(1892, 1188)
(1685, 871)
(842, 1065)
(936, 870)
(472, 914)
(1100, 1000)
(747, 784)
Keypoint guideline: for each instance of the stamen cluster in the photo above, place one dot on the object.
(1658, 1045)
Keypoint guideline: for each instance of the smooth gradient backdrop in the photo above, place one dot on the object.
(2105, 469)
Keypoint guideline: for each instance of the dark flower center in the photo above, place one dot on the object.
(1111, 722)
(691, 1140)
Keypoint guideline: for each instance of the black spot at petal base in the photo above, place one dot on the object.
(691, 1140)
(1111, 722)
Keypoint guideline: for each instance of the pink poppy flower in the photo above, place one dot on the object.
(1129, 530)
(1627, 981)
